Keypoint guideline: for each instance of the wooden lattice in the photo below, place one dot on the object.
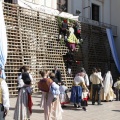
(32, 41)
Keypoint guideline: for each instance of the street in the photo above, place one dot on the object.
(107, 111)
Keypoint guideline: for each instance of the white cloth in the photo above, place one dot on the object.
(85, 76)
(54, 88)
(62, 89)
(100, 76)
(52, 110)
(69, 70)
(93, 80)
(5, 92)
(78, 79)
(21, 109)
(108, 82)
(84, 95)
(86, 80)
(20, 81)
(3, 41)
(115, 84)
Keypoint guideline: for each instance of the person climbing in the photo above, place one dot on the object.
(69, 58)
(63, 30)
(77, 32)
(72, 40)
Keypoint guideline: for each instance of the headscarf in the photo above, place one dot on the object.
(108, 82)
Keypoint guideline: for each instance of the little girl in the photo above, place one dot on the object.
(63, 94)
(54, 87)
(85, 97)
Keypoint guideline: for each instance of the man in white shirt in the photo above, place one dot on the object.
(4, 97)
(96, 81)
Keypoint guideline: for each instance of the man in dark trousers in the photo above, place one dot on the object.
(57, 74)
(96, 86)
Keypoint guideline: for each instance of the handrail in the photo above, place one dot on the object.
(99, 24)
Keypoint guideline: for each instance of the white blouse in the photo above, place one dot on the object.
(5, 93)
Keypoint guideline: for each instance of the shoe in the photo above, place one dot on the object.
(79, 106)
(100, 104)
(75, 105)
(84, 108)
(93, 103)
(63, 106)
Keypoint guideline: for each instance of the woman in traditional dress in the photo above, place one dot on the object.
(72, 40)
(76, 92)
(20, 81)
(24, 103)
(52, 107)
(108, 94)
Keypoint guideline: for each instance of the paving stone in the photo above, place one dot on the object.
(107, 111)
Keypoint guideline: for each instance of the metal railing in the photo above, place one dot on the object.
(99, 24)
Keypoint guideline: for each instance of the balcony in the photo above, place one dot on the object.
(99, 24)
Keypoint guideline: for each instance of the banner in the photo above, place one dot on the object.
(113, 49)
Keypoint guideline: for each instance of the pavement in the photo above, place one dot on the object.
(107, 111)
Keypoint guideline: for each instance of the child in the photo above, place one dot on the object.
(63, 94)
(54, 87)
(55, 90)
(84, 99)
(117, 89)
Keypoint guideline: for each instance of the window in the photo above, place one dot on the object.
(8, 1)
(95, 12)
(62, 5)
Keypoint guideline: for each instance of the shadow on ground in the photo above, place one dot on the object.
(35, 96)
(33, 110)
(71, 107)
(116, 110)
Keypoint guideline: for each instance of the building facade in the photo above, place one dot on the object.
(115, 20)
(97, 10)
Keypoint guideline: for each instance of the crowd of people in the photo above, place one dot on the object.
(55, 92)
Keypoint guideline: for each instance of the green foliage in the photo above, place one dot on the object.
(60, 20)
(71, 21)
(62, 41)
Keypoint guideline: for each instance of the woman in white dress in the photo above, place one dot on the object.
(108, 94)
